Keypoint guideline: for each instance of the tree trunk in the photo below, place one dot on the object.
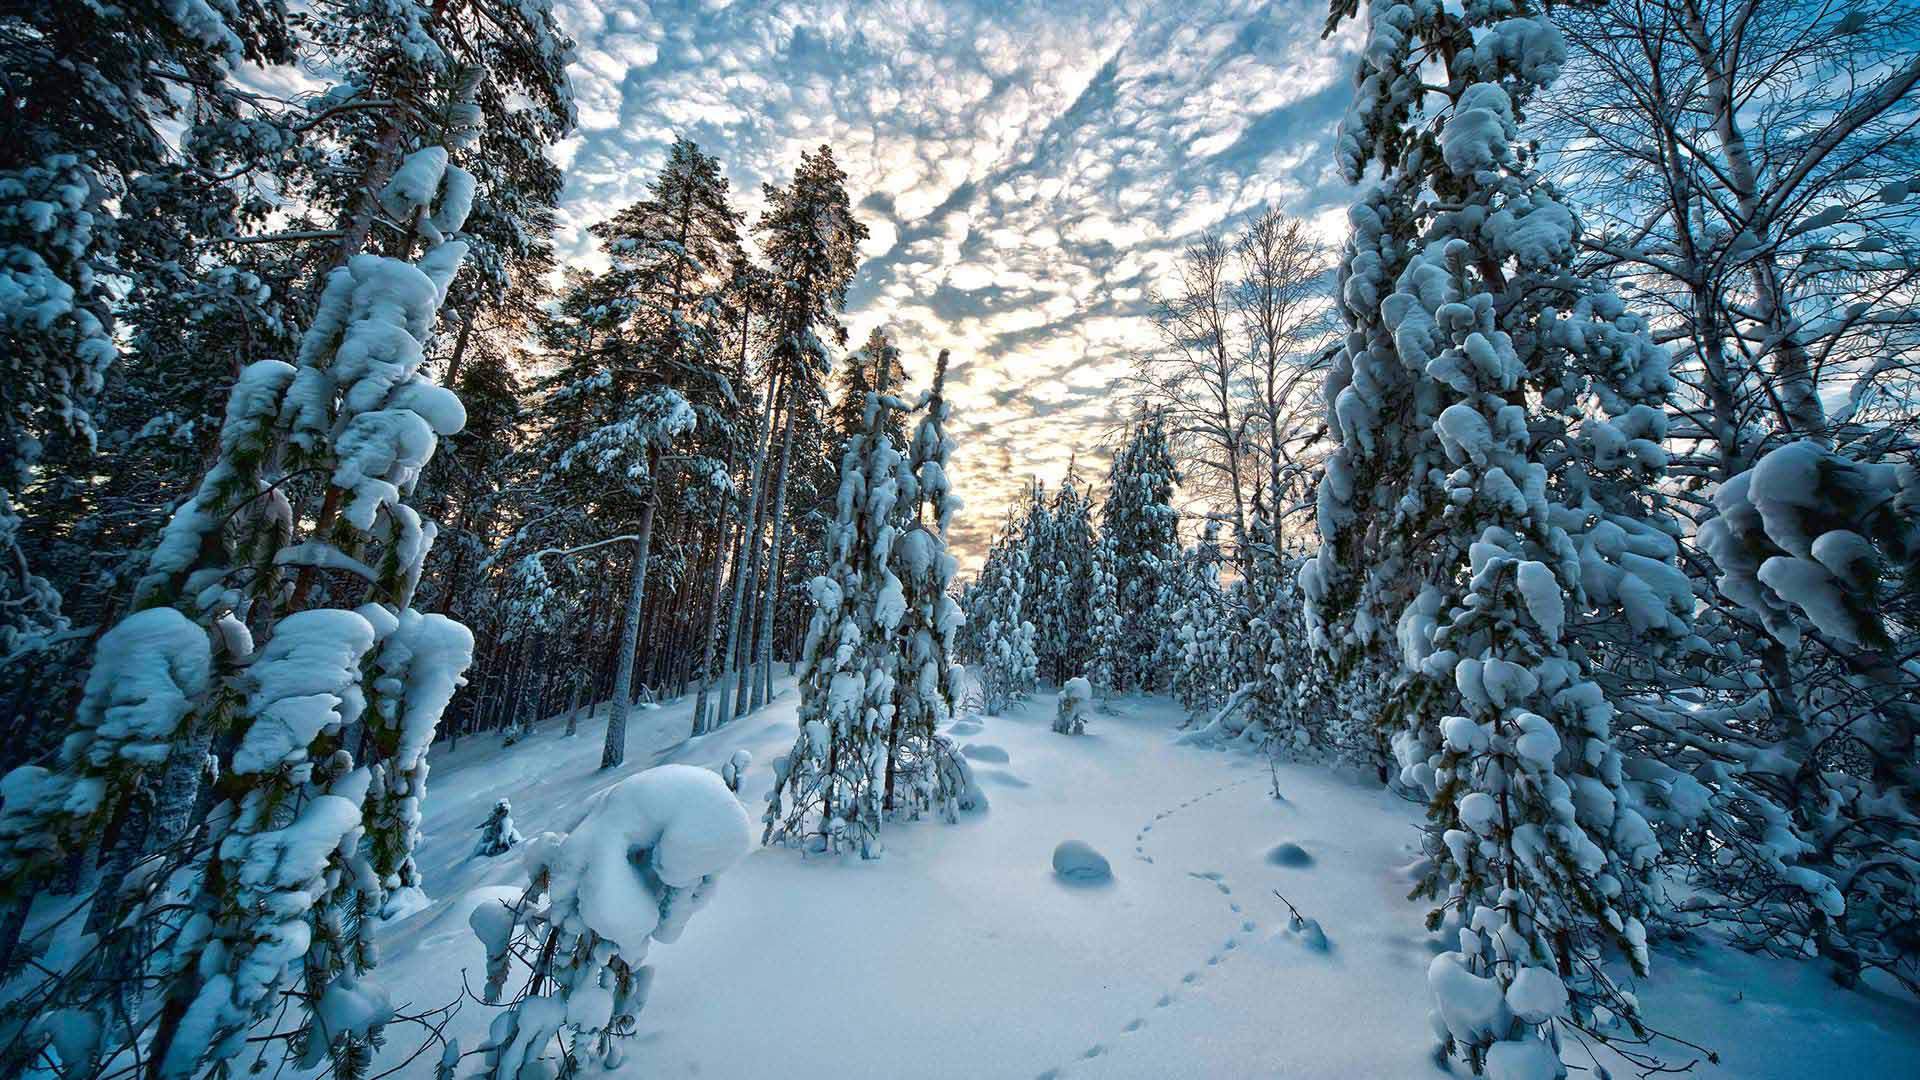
(745, 588)
(773, 560)
(615, 752)
(710, 622)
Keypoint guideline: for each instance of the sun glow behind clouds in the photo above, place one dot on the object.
(1027, 172)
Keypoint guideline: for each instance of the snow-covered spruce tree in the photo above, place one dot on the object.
(1470, 506)
(925, 773)
(645, 856)
(1103, 620)
(1195, 652)
(1824, 551)
(1142, 529)
(876, 676)
(1037, 535)
(93, 207)
(1008, 665)
(1065, 586)
(1272, 678)
(497, 834)
(310, 840)
(322, 844)
(830, 787)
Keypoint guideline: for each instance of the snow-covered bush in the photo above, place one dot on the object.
(1076, 704)
(497, 834)
(643, 858)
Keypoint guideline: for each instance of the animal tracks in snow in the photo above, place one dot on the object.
(1192, 979)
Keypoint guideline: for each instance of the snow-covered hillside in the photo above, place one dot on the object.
(960, 952)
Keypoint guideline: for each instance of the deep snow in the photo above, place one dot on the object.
(960, 953)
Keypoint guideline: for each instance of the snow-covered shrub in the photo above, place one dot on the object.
(497, 834)
(643, 858)
(1076, 704)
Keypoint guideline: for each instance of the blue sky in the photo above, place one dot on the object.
(1028, 171)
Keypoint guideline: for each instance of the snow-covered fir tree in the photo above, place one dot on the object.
(925, 773)
(1824, 552)
(1450, 512)
(1142, 530)
(1008, 664)
(876, 678)
(1103, 620)
(311, 834)
(1195, 652)
(1064, 595)
(1275, 683)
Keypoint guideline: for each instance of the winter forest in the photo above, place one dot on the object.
(1332, 538)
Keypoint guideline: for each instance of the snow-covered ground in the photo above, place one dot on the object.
(960, 953)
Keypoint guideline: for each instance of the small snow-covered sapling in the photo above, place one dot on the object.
(736, 768)
(1076, 702)
(1307, 930)
(497, 834)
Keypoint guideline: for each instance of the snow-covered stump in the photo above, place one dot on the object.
(1076, 704)
(642, 860)
(497, 834)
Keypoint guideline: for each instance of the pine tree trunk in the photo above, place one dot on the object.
(773, 559)
(745, 593)
(710, 622)
(615, 752)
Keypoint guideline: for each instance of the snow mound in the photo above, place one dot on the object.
(1289, 854)
(1076, 861)
(986, 752)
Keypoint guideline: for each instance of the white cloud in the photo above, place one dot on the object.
(1041, 163)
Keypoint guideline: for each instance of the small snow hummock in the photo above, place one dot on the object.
(1076, 861)
(1076, 699)
(1289, 854)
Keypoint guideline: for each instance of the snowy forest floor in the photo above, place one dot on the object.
(959, 953)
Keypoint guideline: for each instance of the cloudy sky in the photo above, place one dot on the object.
(1028, 172)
